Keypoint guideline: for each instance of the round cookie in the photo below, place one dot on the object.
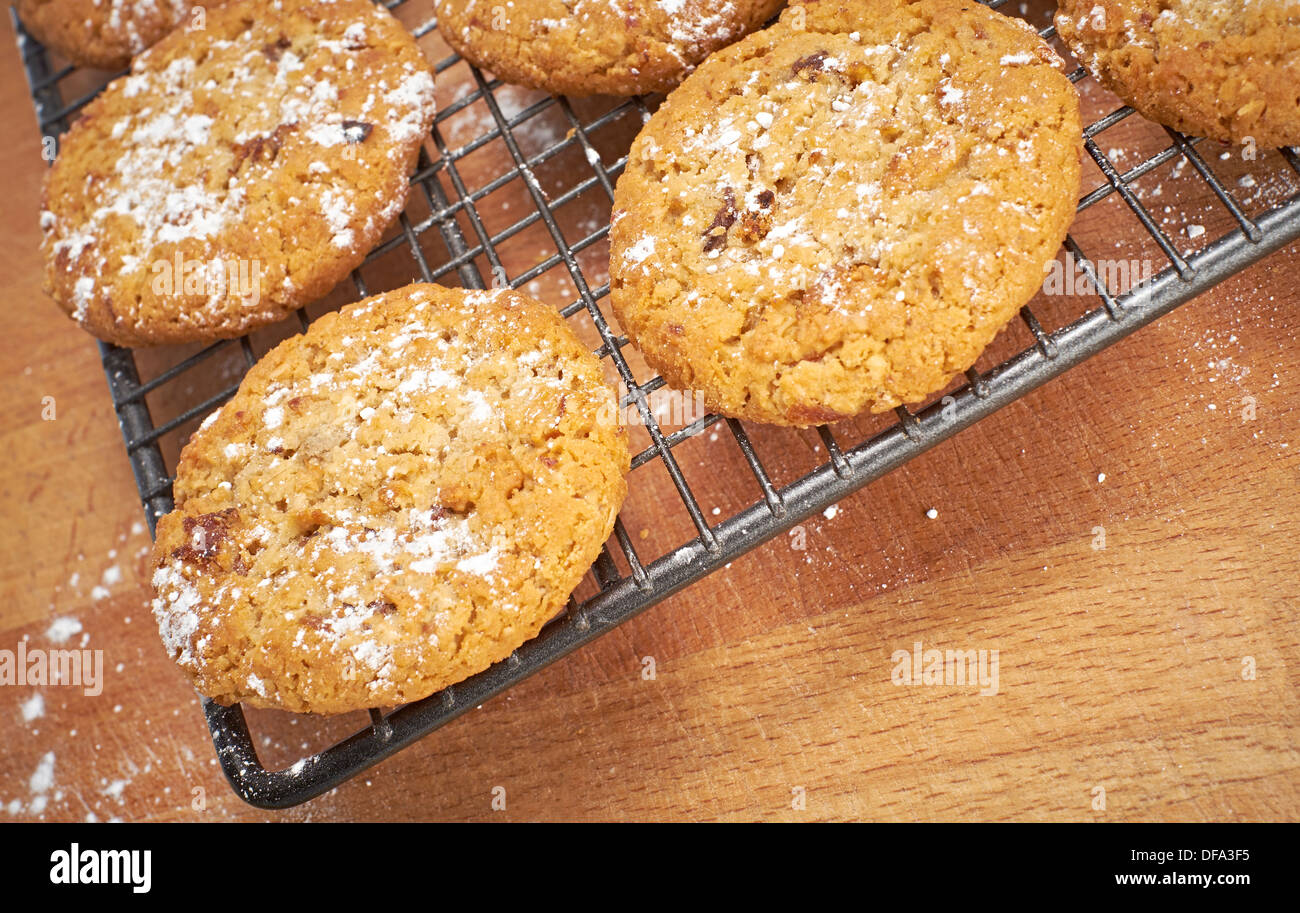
(596, 47)
(1226, 69)
(840, 212)
(240, 171)
(391, 503)
(103, 33)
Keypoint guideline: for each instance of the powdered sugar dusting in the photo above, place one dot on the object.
(61, 629)
(33, 708)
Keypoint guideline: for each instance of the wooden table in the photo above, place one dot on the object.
(1125, 687)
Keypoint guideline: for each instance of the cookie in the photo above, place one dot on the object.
(838, 213)
(391, 503)
(238, 172)
(596, 47)
(1226, 69)
(104, 33)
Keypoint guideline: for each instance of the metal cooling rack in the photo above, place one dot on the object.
(445, 251)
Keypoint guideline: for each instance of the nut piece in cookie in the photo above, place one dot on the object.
(390, 503)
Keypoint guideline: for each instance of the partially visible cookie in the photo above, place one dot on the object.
(840, 212)
(103, 33)
(596, 47)
(1226, 69)
(240, 171)
(391, 502)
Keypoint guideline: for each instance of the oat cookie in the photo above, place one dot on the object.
(237, 173)
(839, 217)
(391, 502)
(1226, 69)
(103, 33)
(596, 47)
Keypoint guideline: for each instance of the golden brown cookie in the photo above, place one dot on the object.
(596, 47)
(391, 502)
(104, 33)
(840, 212)
(1226, 69)
(240, 171)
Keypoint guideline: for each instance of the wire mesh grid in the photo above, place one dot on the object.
(449, 237)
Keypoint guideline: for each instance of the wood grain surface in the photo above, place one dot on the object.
(1126, 538)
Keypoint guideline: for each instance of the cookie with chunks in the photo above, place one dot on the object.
(392, 502)
(238, 172)
(840, 212)
(104, 34)
(1226, 69)
(596, 47)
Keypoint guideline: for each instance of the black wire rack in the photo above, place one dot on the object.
(449, 240)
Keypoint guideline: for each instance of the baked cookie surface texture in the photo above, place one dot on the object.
(1226, 69)
(240, 171)
(839, 213)
(596, 47)
(104, 33)
(392, 502)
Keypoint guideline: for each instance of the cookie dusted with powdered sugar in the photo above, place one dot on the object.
(1226, 69)
(840, 212)
(105, 33)
(391, 502)
(596, 47)
(238, 172)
